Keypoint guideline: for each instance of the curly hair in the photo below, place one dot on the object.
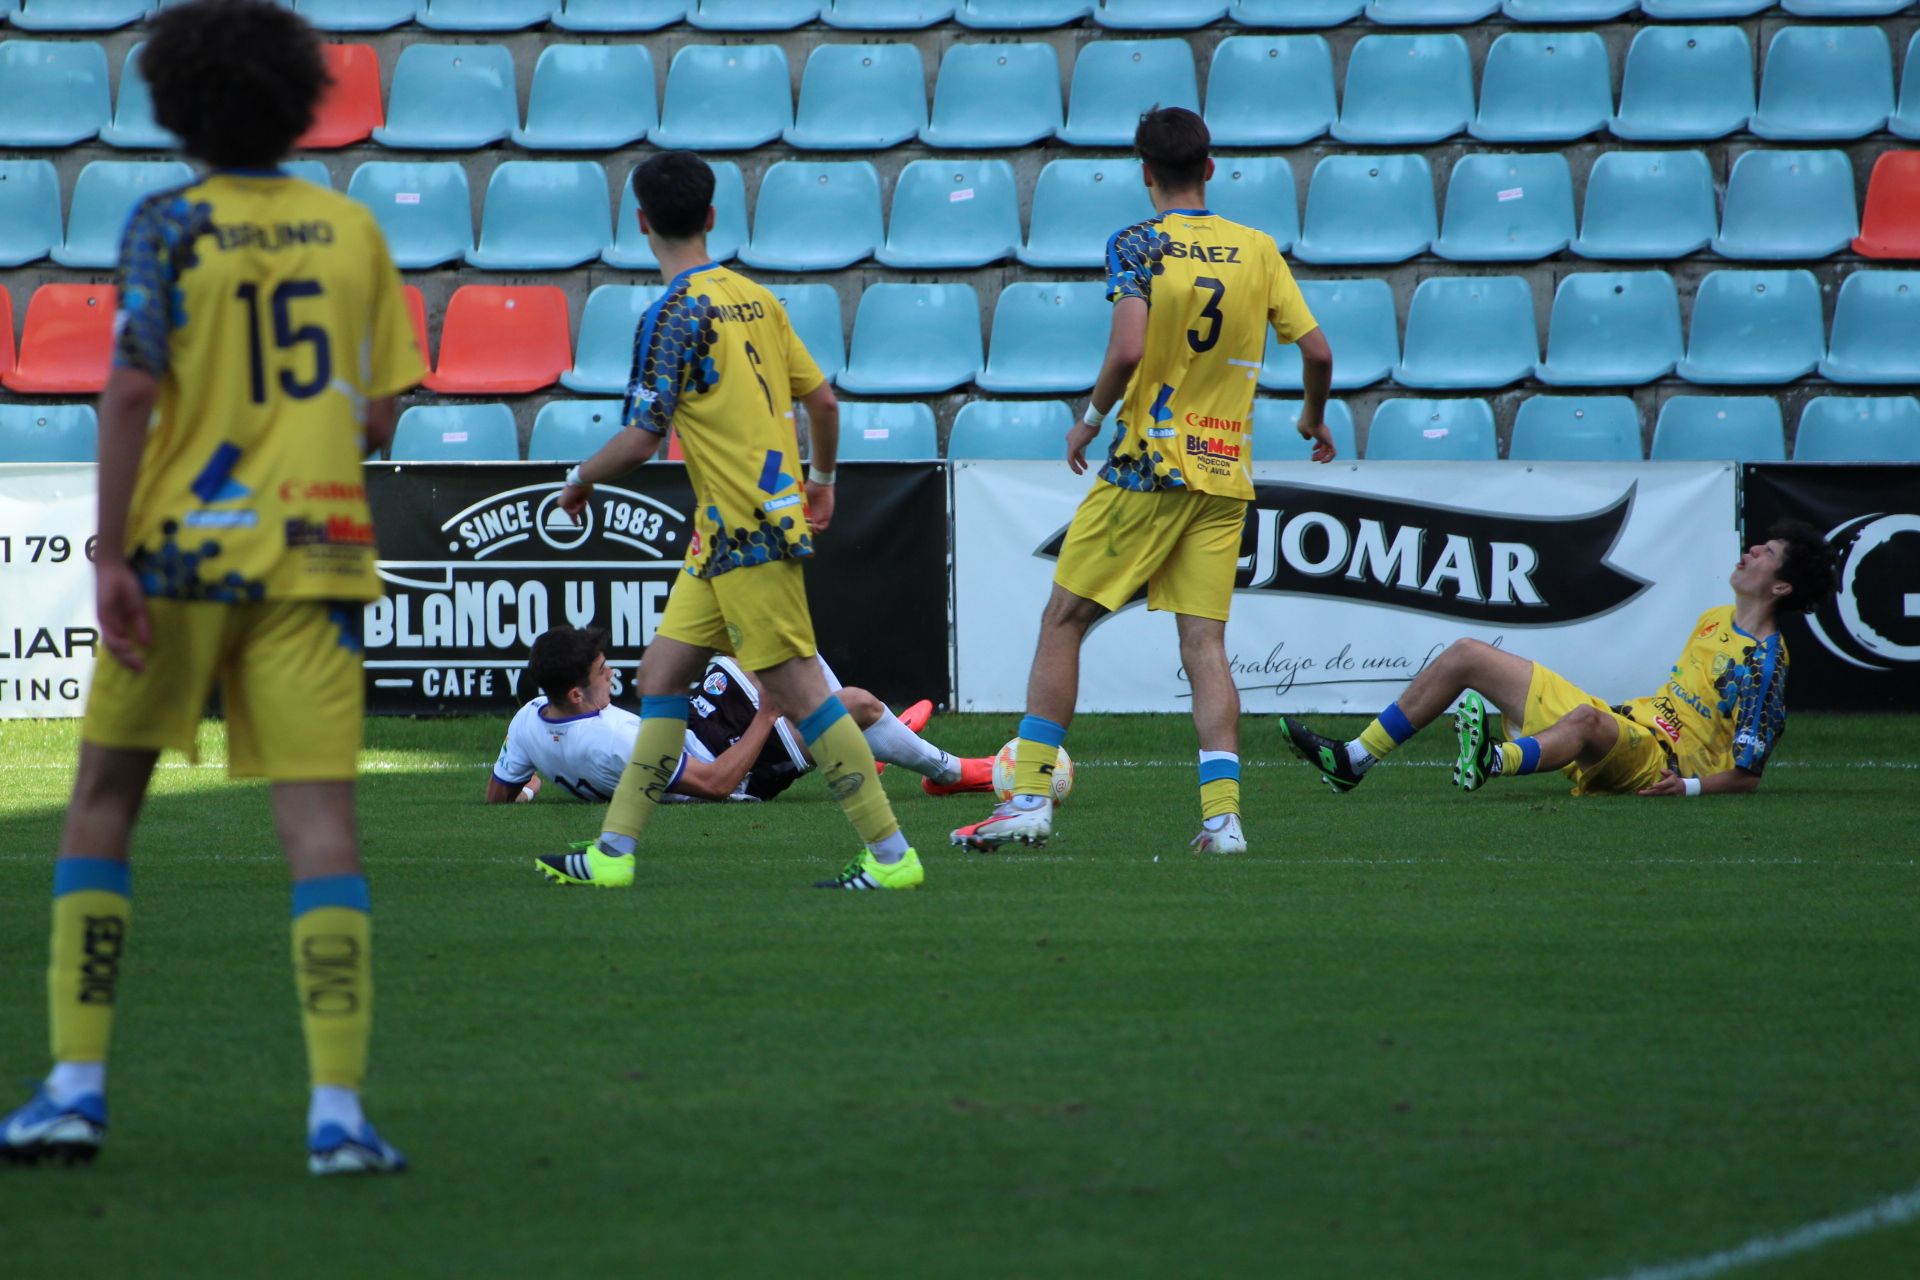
(1811, 566)
(235, 80)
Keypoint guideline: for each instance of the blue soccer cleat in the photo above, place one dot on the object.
(42, 1130)
(331, 1149)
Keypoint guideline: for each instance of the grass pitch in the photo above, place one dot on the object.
(1414, 1033)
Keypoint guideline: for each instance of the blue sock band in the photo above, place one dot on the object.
(331, 891)
(822, 718)
(1041, 729)
(1214, 770)
(76, 875)
(665, 706)
(1529, 753)
(1395, 722)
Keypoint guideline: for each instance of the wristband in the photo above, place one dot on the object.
(573, 477)
(1692, 785)
(1092, 417)
(816, 476)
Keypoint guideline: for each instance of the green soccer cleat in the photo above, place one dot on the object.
(1324, 754)
(1479, 757)
(866, 872)
(585, 863)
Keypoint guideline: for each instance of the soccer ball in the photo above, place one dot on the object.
(1003, 773)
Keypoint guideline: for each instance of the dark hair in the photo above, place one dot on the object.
(237, 80)
(562, 659)
(1811, 567)
(1172, 142)
(675, 190)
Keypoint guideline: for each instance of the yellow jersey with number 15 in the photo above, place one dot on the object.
(1212, 289)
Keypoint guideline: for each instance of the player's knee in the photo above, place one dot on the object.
(1584, 720)
(861, 705)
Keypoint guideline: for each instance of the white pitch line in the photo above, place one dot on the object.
(1891, 1212)
(443, 766)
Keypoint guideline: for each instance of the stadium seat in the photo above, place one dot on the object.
(356, 15)
(1612, 329)
(589, 97)
(351, 109)
(572, 430)
(887, 15)
(913, 339)
(1647, 204)
(1754, 327)
(499, 340)
(1844, 8)
(424, 208)
(1469, 331)
(1698, 10)
(78, 15)
(1685, 83)
(995, 95)
(133, 127)
(1270, 91)
(52, 93)
(1358, 318)
(450, 97)
(753, 15)
(1368, 209)
(630, 249)
(1077, 206)
(456, 433)
(1890, 228)
(1544, 87)
(1875, 324)
(1713, 428)
(603, 362)
(877, 431)
(314, 171)
(953, 213)
(726, 98)
(860, 97)
(1158, 15)
(1295, 13)
(67, 341)
(1406, 90)
(1275, 438)
(29, 214)
(417, 313)
(482, 15)
(1432, 431)
(1048, 336)
(1788, 206)
(1576, 429)
(103, 196)
(1825, 83)
(1429, 13)
(1011, 429)
(1507, 208)
(1020, 15)
(1257, 191)
(543, 215)
(1566, 10)
(1115, 80)
(48, 432)
(619, 15)
(815, 216)
(814, 312)
(1905, 120)
(1858, 429)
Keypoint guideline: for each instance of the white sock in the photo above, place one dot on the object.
(70, 1081)
(893, 743)
(616, 844)
(891, 850)
(1359, 757)
(1026, 804)
(334, 1104)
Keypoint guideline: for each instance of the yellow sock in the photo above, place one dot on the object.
(92, 898)
(1037, 755)
(333, 974)
(841, 752)
(1389, 730)
(1219, 783)
(656, 759)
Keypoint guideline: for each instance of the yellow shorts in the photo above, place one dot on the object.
(1637, 759)
(1183, 546)
(290, 684)
(757, 613)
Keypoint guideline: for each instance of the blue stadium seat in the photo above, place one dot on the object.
(1544, 87)
(1844, 8)
(1683, 83)
(1788, 206)
(1468, 331)
(1858, 429)
(1270, 91)
(79, 15)
(424, 208)
(1566, 10)
(1507, 208)
(133, 127)
(860, 97)
(1432, 431)
(603, 360)
(1698, 10)
(753, 15)
(1276, 440)
(589, 97)
(726, 98)
(1115, 80)
(1712, 428)
(619, 15)
(878, 431)
(1020, 15)
(814, 312)
(482, 15)
(1576, 429)
(1015, 429)
(314, 171)
(1295, 13)
(913, 339)
(815, 216)
(1158, 15)
(48, 433)
(543, 215)
(103, 195)
(1874, 326)
(572, 430)
(1257, 191)
(1406, 90)
(1077, 206)
(887, 15)
(1905, 121)
(630, 249)
(450, 97)
(1358, 318)
(995, 95)
(1368, 209)
(29, 215)
(1824, 83)
(1429, 13)
(456, 433)
(1612, 329)
(1647, 204)
(356, 15)
(953, 213)
(1754, 327)
(1048, 336)
(52, 93)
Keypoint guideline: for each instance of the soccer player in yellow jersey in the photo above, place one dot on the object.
(716, 359)
(262, 318)
(1193, 295)
(1709, 730)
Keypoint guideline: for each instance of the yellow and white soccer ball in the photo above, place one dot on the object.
(1003, 773)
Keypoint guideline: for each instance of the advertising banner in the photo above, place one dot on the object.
(47, 631)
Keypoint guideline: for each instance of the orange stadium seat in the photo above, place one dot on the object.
(68, 340)
(417, 312)
(1891, 227)
(351, 109)
(498, 339)
(6, 332)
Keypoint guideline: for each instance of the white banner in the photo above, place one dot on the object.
(1354, 576)
(47, 629)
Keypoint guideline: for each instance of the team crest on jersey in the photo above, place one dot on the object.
(715, 684)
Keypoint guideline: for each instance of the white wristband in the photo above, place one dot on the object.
(816, 476)
(1091, 417)
(573, 477)
(1692, 785)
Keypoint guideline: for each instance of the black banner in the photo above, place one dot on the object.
(1861, 650)
(477, 561)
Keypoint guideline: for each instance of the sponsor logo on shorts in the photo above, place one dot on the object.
(715, 684)
(220, 519)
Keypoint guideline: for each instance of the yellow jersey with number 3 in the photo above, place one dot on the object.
(1212, 289)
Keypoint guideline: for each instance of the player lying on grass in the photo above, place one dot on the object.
(1709, 730)
(737, 746)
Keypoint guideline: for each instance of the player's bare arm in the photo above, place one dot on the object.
(823, 430)
(625, 451)
(1126, 344)
(383, 415)
(1732, 782)
(126, 408)
(1316, 379)
(722, 777)
(499, 792)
